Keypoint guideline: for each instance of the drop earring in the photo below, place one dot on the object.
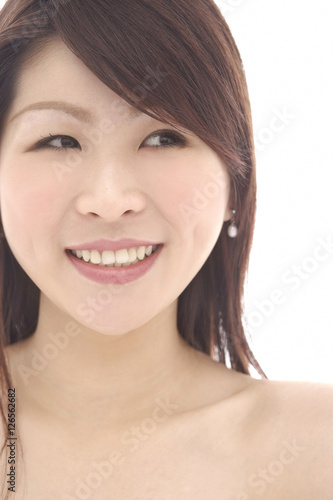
(232, 229)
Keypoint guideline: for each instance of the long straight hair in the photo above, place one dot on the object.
(189, 49)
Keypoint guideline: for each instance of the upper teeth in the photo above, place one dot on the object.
(118, 258)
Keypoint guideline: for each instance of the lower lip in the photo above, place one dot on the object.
(114, 275)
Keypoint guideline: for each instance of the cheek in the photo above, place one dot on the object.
(28, 199)
(196, 197)
(194, 202)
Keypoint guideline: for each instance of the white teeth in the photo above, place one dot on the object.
(132, 254)
(149, 250)
(141, 252)
(95, 257)
(108, 257)
(86, 255)
(120, 258)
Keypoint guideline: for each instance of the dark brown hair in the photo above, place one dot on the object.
(205, 91)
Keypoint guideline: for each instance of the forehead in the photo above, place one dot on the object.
(53, 77)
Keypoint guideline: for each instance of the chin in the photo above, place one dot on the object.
(106, 330)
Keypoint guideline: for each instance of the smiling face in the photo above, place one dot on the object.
(116, 174)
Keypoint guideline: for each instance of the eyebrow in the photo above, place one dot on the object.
(79, 113)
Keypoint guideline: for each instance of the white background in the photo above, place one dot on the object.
(286, 49)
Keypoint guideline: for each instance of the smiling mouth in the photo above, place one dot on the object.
(119, 258)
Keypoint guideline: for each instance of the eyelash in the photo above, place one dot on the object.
(180, 140)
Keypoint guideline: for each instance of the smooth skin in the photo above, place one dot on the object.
(124, 408)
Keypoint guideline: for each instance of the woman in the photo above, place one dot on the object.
(127, 191)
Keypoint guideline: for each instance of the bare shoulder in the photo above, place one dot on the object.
(298, 416)
(293, 394)
(273, 439)
(306, 405)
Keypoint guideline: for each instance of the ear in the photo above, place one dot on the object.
(228, 214)
(230, 206)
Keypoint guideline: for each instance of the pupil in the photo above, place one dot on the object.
(166, 140)
(66, 141)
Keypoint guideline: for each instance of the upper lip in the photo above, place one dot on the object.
(102, 245)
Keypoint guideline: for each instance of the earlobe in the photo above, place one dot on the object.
(232, 229)
(2, 234)
(231, 205)
(228, 214)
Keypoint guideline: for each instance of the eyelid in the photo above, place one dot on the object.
(180, 140)
(52, 137)
(171, 133)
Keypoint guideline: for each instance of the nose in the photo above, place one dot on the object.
(109, 190)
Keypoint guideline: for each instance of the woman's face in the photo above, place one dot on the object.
(113, 177)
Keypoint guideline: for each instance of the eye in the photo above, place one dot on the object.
(159, 139)
(166, 138)
(60, 142)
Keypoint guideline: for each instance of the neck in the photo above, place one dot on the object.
(76, 373)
